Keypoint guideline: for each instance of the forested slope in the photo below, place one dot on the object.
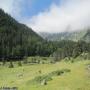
(16, 39)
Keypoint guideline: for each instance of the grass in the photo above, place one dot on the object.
(75, 77)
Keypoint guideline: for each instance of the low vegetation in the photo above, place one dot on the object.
(63, 75)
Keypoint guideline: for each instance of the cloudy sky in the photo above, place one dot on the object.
(50, 15)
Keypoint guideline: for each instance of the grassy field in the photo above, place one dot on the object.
(78, 78)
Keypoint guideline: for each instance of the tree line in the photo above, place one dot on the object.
(71, 49)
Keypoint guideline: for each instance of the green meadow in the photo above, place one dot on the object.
(63, 75)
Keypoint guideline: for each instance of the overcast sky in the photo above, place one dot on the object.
(50, 15)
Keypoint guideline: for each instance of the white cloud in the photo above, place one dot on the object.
(69, 15)
(6, 5)
(13, 7)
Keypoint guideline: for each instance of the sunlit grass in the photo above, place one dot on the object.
(76, 79)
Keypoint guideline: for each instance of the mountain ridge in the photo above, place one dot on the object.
(74, 35)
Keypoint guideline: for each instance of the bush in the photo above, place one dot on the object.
(52, 62)
(72, 61)
(11, 65)
(40, 79)
(3, 62)
(19, 63)
(44, 58)
(25, 61)
(45, 78)
(66, 70)
(59, 72)
(56, 73)
(44, 82)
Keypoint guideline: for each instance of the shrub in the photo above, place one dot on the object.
(3, 62)
(45, 78)
(44, 58)
(59, 72)
(56, 73)
(19, 63)
(44, 82)
(52, 62)
(66, 70)
(40, 79)
(40, 71)
(11, 65)
(72, 61)
(25, 61)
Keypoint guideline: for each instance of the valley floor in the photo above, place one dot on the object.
(22, 77)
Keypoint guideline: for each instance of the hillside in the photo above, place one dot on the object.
(87, 36)
(16, 39)
(74, 36)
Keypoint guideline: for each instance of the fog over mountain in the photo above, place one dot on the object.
(69, 15)
(73, 36)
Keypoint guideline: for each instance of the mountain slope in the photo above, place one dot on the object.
(87, 36)
(74, 36)
(16, 39)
